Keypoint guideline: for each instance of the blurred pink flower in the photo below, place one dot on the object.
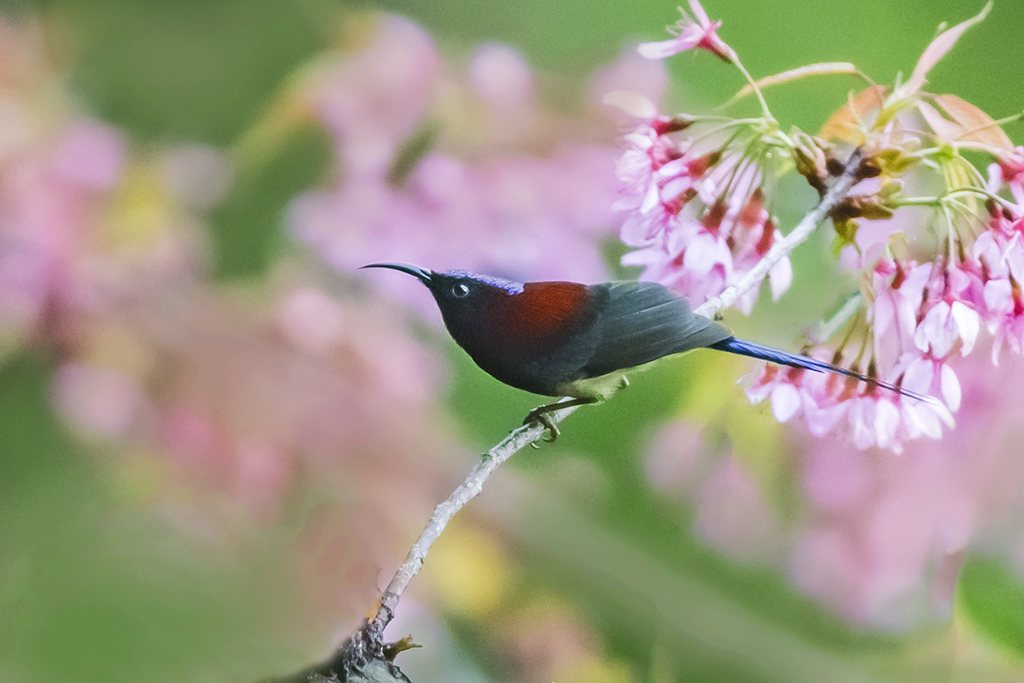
(503, 80)
(374, 98)
(509, 187)
(261, 476)
(679, 460)
(245, 407)
(733, 515)
(90, 154)
(629, 73)
(872, 557)
(86, 228)
(52, 196)
(101, 402)
(311, 320)
(878, 535)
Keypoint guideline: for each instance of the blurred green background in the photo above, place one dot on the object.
(592, 539)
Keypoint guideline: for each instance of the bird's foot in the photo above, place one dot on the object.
(540, 416)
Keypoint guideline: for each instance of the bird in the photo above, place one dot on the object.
(577, 341)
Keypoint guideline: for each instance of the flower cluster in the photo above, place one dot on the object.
(696, 218)
(923, 317)
(694, 209)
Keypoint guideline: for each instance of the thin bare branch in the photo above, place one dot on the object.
(784, 247)
(368, 644)
(443, 513)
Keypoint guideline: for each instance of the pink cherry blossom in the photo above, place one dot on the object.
(999, 253)
(697, 218)
(697, 32)
(1008, 171)
(871, 417)
(874, 420)
(899, 289)
(372, 100)
(923, 313)
(945, 324)
(931, 376)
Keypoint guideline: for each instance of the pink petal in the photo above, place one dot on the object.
(919, 375)
(664, 48)
(968, 324)
(780, 277)
(632, 103)
(938, 48)
(862, 420)
(1014, 257)
(699, 14)
(921, 422)
(651, 198)
(934, 333)
(985, 247)
(998, 295)
(887, 420)
(950, 386)
(821, 421)
(704, 253)
(785, 402)
(883, 314)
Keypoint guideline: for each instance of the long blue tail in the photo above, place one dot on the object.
(752, 350)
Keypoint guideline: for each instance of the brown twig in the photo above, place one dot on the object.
(443, 513)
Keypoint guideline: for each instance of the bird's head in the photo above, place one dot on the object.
(458, 293)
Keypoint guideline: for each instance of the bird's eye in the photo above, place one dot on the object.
(460, 290)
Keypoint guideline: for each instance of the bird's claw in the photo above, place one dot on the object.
(540, 416)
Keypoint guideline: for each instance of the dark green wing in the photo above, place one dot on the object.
(643, 321)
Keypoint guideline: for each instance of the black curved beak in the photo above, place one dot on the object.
(422, 274)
